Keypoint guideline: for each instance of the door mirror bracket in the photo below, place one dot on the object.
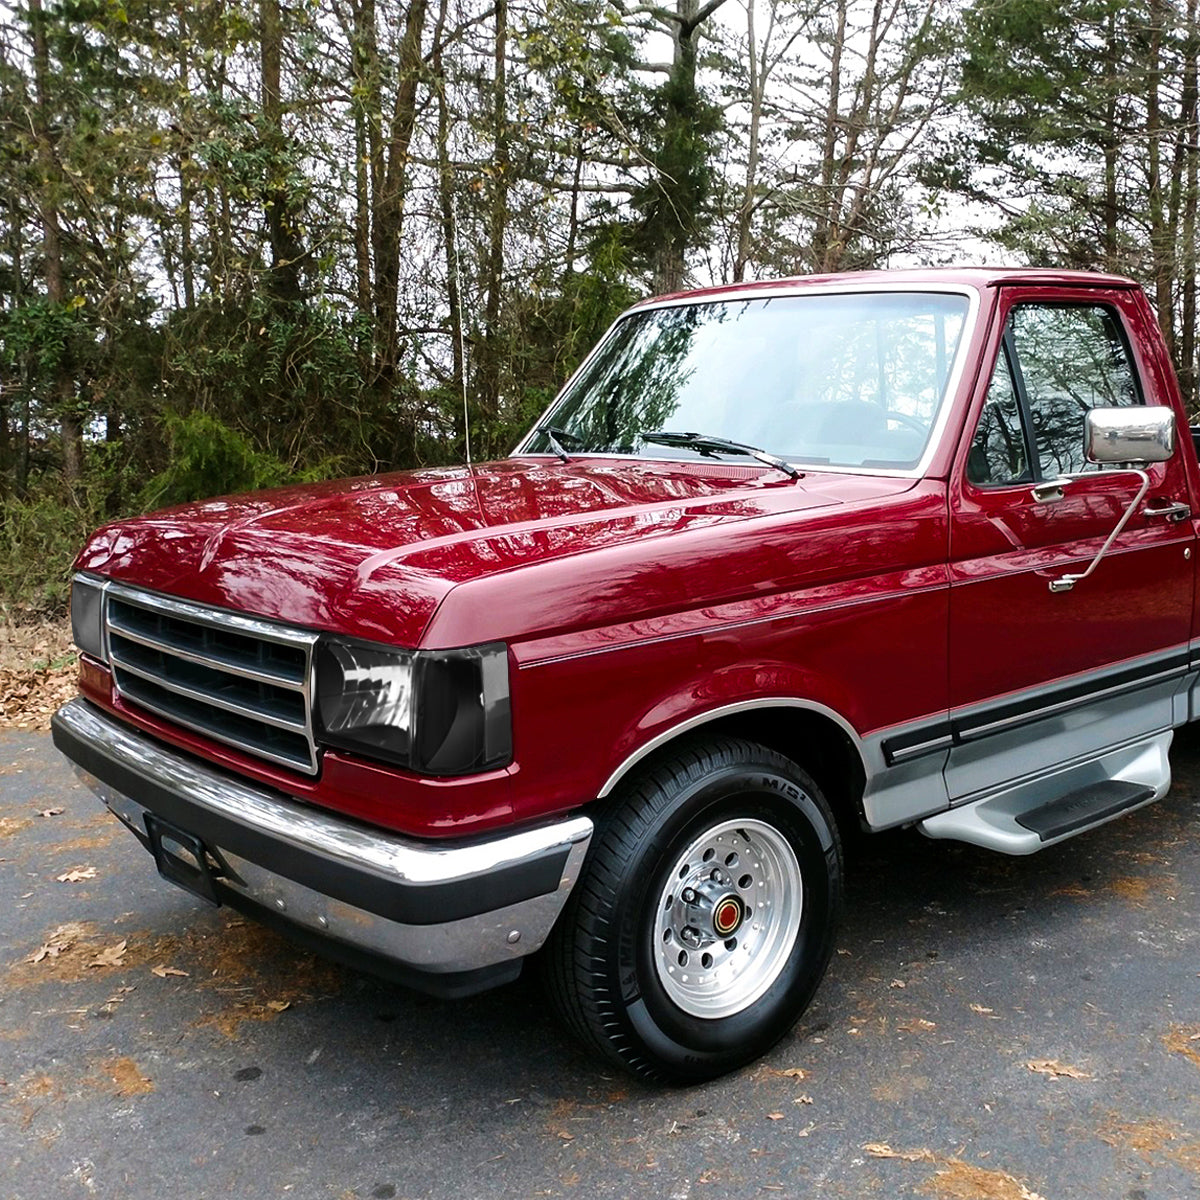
(1123, 436)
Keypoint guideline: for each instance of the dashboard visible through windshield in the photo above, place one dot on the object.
(852, 379)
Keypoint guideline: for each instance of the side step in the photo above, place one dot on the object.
(1088, 806)
(1041, 811)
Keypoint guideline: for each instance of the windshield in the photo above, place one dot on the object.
(850, 379)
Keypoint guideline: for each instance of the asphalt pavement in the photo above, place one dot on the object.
(990, 1029)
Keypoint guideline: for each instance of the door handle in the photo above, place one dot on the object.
(1173, 511)
(1051, 490)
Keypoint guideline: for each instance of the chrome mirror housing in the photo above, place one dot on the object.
(1137, 434)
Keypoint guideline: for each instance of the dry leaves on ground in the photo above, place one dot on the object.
(162, 972)
(883, 1150)
(1185, 1040)
(1053, 1069)
(61, 940)
(955, 1179)
(76, 875)
(111, 956)
(37, 673)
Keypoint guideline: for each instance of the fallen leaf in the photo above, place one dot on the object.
(916, 1025)
(279, 1005)
(897, 983)
(110, 956)
(883, 1150)
(1055, 1070)
(59, 942)
(805, 1099)
(51, 812)
(807, 1129)
(163, 972)
(77, 875)
(791, 1073)
(984, 1012)
(774, 1116)
(566, 1135)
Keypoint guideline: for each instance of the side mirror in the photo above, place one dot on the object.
(1136, 434)
(1135, 437)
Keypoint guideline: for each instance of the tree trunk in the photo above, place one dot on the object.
(1190, 121)
(389, 195)
(489, 378)
(279, 204)
(365, 102)
(183, 166)
(1111, 144)
(746, 211)
(825, 251)
(62, 387)
(1161, 250)
(449, 227)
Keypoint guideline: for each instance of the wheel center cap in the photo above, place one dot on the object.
(728, 915)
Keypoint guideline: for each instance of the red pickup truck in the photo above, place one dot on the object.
(861, 551)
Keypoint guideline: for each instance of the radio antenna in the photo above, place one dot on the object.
(462, 348)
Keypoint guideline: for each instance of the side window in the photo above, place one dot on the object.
(1058, 361)
(1072, 358)
(998, 453)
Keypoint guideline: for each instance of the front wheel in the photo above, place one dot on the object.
(704, 918)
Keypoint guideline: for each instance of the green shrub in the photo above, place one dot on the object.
(39, 539)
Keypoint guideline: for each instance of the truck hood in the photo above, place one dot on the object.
(376, 556)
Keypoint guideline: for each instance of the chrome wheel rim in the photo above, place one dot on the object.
(727, 918)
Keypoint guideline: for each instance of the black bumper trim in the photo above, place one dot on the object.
(390, 898)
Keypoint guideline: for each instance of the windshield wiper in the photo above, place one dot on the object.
(715, 445)
(553, 433)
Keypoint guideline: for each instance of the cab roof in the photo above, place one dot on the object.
(976, 277)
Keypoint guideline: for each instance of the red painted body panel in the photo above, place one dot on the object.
(1006, 547)
(636, 595)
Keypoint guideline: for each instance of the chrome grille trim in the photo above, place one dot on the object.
(237, 692)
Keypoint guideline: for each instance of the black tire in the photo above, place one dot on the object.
(604, 968)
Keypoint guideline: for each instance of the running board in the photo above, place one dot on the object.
(1039, 812)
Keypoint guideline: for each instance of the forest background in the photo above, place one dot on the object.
(248, 241)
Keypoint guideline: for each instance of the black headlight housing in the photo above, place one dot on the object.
(435, 712)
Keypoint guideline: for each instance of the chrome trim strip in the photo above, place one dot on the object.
(457, 945)
(916, 751)
(258, 676)
(799, 288)
(216, 618)
(727, 710)
(202, 697)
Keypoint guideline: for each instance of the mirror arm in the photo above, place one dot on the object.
(1067, 582)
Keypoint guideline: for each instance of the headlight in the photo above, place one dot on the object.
(87, 615)
(438, 712)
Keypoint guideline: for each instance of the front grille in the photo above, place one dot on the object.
(240, 680)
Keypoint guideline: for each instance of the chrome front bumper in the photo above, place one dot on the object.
(450, 917)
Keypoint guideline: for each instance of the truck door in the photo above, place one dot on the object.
(1039, 678)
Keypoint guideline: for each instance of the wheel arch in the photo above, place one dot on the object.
(813, 735)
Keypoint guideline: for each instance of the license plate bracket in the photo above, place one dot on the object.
(181, 858)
